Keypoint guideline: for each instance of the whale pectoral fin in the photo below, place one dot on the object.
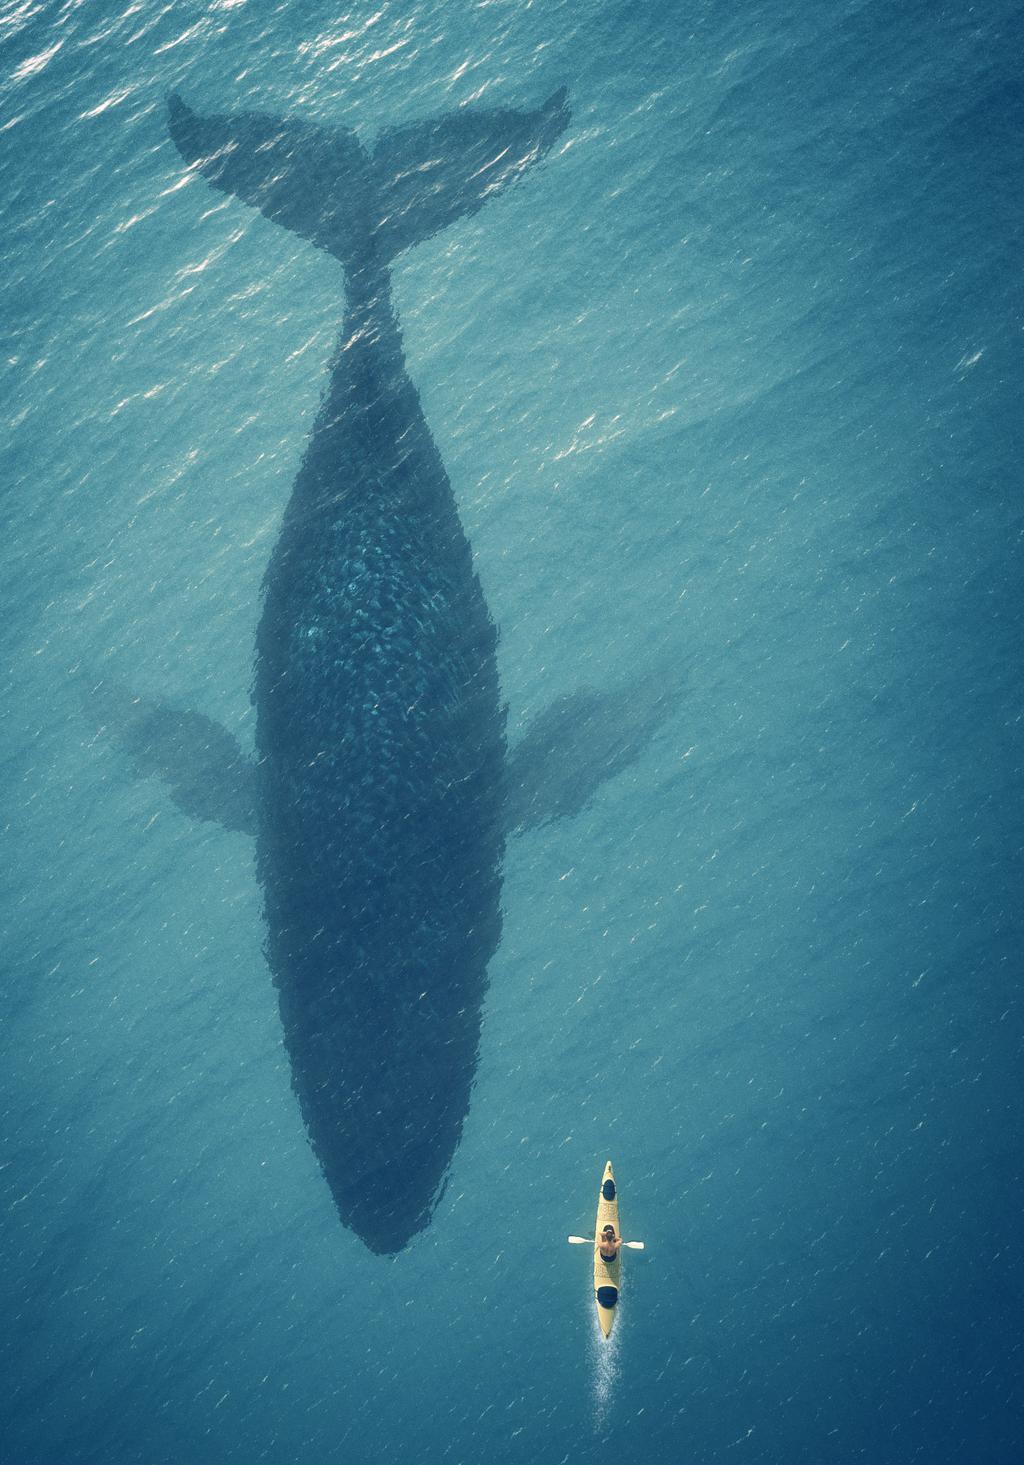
(430, 173)
(577, 744)
(206, 771)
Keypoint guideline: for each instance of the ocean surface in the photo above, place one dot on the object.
(728, 389)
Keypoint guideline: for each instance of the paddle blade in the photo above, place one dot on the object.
(580, 1240)
(634, 1245)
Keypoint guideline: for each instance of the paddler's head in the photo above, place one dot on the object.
(609, 1231)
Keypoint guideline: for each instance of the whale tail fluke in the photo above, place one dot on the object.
(355, 202)
(431, 173)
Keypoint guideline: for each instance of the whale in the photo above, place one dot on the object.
(380, 757)
(382, 787)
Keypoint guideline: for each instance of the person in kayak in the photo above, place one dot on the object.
(610, 1244)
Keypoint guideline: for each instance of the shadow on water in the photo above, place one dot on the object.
(380, 794)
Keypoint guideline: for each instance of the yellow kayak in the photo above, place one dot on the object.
(606, 1274)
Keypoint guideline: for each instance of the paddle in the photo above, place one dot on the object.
(589, 1241)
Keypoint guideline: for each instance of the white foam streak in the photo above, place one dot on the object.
(604, 1370)
(32, 65)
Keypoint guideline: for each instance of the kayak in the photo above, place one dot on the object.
(606, 1274)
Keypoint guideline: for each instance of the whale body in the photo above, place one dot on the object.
(379, 805)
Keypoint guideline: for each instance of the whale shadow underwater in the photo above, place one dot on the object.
(381, 791)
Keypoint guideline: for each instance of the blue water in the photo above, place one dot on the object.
(728, 391)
